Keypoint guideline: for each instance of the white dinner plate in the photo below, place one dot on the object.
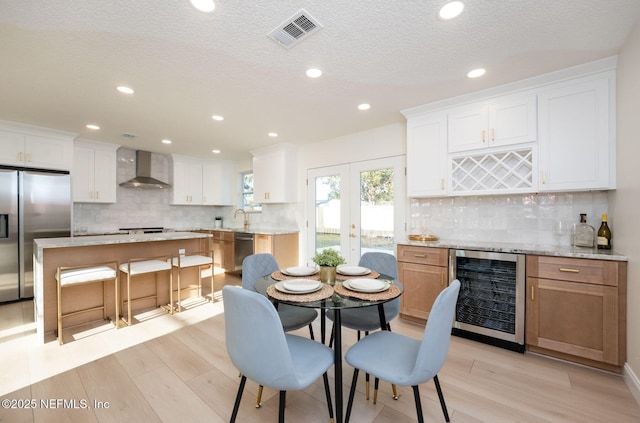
(353, 270)
(366, 285)
(298, 286)
(300, 271)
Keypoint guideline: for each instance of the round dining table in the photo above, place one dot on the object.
(336, 298)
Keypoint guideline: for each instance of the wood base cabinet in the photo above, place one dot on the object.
(424, 273)
(576, 310)
(284, 247)
(223, 250)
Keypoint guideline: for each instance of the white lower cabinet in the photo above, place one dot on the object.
(577, 137)
(427, 173)
(201, 182)
(94, 172)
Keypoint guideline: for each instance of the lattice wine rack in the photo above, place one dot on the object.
(510, 171)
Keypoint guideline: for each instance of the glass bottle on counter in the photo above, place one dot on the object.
(583, 234)
(604, 235)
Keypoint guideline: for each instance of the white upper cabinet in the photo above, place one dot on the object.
(498, 122)
(577, 134)
(35, 148)
(94, 172)
(554, 132)
(201, 182)
(427, 173)
(217, 177)
(274, 174)
(187, 180)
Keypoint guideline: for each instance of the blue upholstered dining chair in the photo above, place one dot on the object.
(262, 352)
(367, 319)
(257, 266)
(406, 361)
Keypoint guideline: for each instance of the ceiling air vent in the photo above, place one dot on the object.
(295, 29)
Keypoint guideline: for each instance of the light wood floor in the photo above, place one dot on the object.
(176, 369)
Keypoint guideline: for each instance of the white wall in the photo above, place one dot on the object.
(625, 201)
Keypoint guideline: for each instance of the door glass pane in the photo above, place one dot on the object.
(376, 211)
(327, 207)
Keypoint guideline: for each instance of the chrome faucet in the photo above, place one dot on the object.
(244, 214)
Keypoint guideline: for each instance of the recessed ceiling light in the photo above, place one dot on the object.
(125, 90)
(204, 5)
(215, 151)
(450, 10)
(314, 73)
(476, 73)
(94, 127)
(217, 117)
(165, 141)
(364, 106)
(272, 134)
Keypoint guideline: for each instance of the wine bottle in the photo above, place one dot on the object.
(604, 235)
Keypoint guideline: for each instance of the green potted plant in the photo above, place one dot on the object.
(328, 260)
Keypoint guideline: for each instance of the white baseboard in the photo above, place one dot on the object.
(632, 381)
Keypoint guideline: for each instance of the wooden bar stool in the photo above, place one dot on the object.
(198, 259)
(68, 276)
(141, 266)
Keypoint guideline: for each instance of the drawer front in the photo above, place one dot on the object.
(222, 235)
(601, 272)
(423, 255)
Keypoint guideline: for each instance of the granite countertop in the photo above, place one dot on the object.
(82, 241)
(255, 231)
(543, 250)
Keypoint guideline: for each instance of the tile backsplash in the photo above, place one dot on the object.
(525, 219)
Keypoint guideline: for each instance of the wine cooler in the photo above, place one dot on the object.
(491, 301)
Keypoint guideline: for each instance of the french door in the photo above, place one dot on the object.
(356, 207)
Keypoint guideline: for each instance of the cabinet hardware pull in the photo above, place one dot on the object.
(28, 157)
(562, 269)
(544, 177)
(352, 235)
(533, 297)
(97, 195)
(483, 135)
(20, 156)
(420, 255)
(91, 195)
(493, 134)
(442, 183)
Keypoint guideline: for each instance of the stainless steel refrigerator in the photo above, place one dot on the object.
(33, 204)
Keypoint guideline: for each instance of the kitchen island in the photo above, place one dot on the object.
(49, 253)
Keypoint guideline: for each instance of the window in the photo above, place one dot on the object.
(247, 193)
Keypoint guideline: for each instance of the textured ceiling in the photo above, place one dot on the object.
(61, 62)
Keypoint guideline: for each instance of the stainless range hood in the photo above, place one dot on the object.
(143, 177)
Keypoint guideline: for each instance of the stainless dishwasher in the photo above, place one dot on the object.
(243, 247)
